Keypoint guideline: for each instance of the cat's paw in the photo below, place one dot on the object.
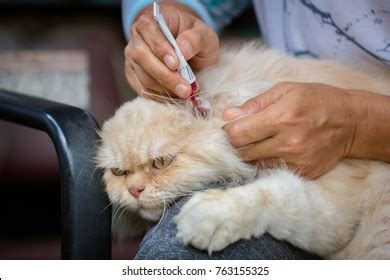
(211, 221)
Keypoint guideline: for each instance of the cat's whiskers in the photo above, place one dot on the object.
(115, 210)
(123, 211)
(170, 97)
(118, 209)
(182, 193)
(161, 97)
(174, 201)
(91, 162)
(155, 96)
(172, 198)
(106, 207)
(163, 214)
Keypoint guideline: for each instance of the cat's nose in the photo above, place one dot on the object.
(136, 190)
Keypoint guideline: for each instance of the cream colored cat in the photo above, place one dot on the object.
(154, 153)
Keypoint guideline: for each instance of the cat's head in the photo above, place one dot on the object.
(153, 153)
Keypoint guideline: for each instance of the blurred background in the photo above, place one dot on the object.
(69, 51)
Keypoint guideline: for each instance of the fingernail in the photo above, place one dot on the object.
(181, 90)
(186, 46)
(169, 61)
(232, 113)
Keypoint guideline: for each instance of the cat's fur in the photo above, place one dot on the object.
(343, 214)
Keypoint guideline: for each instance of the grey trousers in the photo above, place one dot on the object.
(160, 243)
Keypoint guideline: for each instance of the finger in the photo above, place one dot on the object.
(153, 90)
(233, 113)
(255, 104)
(260, 150)
(149, 30)
(269, 97)
(172, 80)
(137, 86)
(146, 80)
(199, 44)
(132, 79)
(252, 128)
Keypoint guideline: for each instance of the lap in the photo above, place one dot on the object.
(161, 243)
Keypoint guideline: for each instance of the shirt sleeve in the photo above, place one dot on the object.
(215, 13)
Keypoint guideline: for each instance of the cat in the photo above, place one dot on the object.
(154, 153)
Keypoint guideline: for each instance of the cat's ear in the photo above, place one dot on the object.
(198, 106)
(201, 106)
(129, 225)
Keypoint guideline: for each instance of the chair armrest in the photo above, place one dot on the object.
(86, 223)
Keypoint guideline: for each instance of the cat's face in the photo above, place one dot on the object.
(153, 153)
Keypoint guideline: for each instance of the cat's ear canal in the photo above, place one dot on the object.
(162, 162)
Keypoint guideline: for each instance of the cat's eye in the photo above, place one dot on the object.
(162, 162)
(118, 172)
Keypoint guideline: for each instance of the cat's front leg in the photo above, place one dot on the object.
(286, 206)
(213, 219)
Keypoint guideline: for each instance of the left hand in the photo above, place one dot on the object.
(310, 126)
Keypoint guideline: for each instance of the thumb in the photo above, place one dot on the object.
(252, 106)
(190, 43)
(199, 44)
(262, 101)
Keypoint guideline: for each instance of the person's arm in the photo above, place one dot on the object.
(215, 13)
(372, 137)
(132, 8)
(311, 126)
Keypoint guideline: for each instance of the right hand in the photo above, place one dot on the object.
(150, 60)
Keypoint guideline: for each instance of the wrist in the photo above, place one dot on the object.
(371, 133)
(149, 8)
(356, 110)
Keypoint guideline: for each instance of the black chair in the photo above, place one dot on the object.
(86, 223)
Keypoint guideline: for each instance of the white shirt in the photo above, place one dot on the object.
(352, 31)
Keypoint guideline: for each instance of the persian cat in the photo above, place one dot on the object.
(154, 153)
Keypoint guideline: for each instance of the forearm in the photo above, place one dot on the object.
(175, 4)
(372, 134)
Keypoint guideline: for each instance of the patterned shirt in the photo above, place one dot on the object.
(351, 31)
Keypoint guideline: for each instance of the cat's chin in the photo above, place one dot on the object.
(152, 215)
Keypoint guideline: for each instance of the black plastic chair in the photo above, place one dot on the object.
(86, 224)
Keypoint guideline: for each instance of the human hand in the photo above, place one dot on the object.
(309, 126)
(150, 60)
